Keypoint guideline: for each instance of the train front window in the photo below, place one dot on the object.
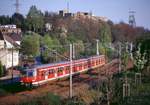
(24, 73)
(30, 73)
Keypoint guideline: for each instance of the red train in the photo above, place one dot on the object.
(43, 73)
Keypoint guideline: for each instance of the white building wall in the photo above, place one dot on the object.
(3, 56)
(1, 44)
(18, 42)
(8, 44)
(15, 59)
(6, 57)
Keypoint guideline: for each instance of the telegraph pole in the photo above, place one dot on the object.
(17, 6)
(12, 51)
(131, 49)
(67, 7)
(97, 47)
(73, 52)
(119, 57)
(70, 71)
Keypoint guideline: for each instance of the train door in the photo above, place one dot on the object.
(67, 71)
(60, 71)
(46, 74)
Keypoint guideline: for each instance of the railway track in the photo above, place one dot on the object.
(61, 87)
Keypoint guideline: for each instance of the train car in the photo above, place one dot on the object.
(41, 74)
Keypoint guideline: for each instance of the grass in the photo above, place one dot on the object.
(48, 99)
(14, 88)
(140, 94)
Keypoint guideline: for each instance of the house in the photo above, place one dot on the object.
(82, 15)
(63, 12)
(9, 29)
(48, 26)
(9, 44)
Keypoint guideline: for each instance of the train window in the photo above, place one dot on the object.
(30, 73)
(85, 65)
(24, 73)
(93, 62)
(68, 68)
(80, 65)
(60, 69)
(51, 71)
(96, 61)
(42, 74)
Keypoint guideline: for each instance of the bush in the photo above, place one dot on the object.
(48, 99)
(1, 70)
(3, 92)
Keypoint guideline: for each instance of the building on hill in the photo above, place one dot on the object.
(9, 44)
(9, 29)
(83, 15)
(8, 26)
(88, 15)
(102, 18)
(65, 13)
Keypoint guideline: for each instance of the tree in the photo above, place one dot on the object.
(30, 45)
(102, 49)
(125, 59)
(139, 59)
(18, 20)
(123, 32)
(5, 20)
(35, 19)
(79, 48)
(145, 47)
(105, 39)
(1, 69)
(105, 34)
(139, 63)
(49, 47)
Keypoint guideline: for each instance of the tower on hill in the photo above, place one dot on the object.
(132, 19)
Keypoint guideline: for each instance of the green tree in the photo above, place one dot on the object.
(79, 48)
(139, 59)
(124, 61)
(18, 19)
(105, 39)
(102, 49)
(35, 19)
(1, 69)
(145, 48)
(50, 48)
(5, 20)
(30, 45)
(105, 34)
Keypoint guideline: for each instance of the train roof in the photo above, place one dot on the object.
(60, 63)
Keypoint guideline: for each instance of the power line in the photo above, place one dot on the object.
(17, 6)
